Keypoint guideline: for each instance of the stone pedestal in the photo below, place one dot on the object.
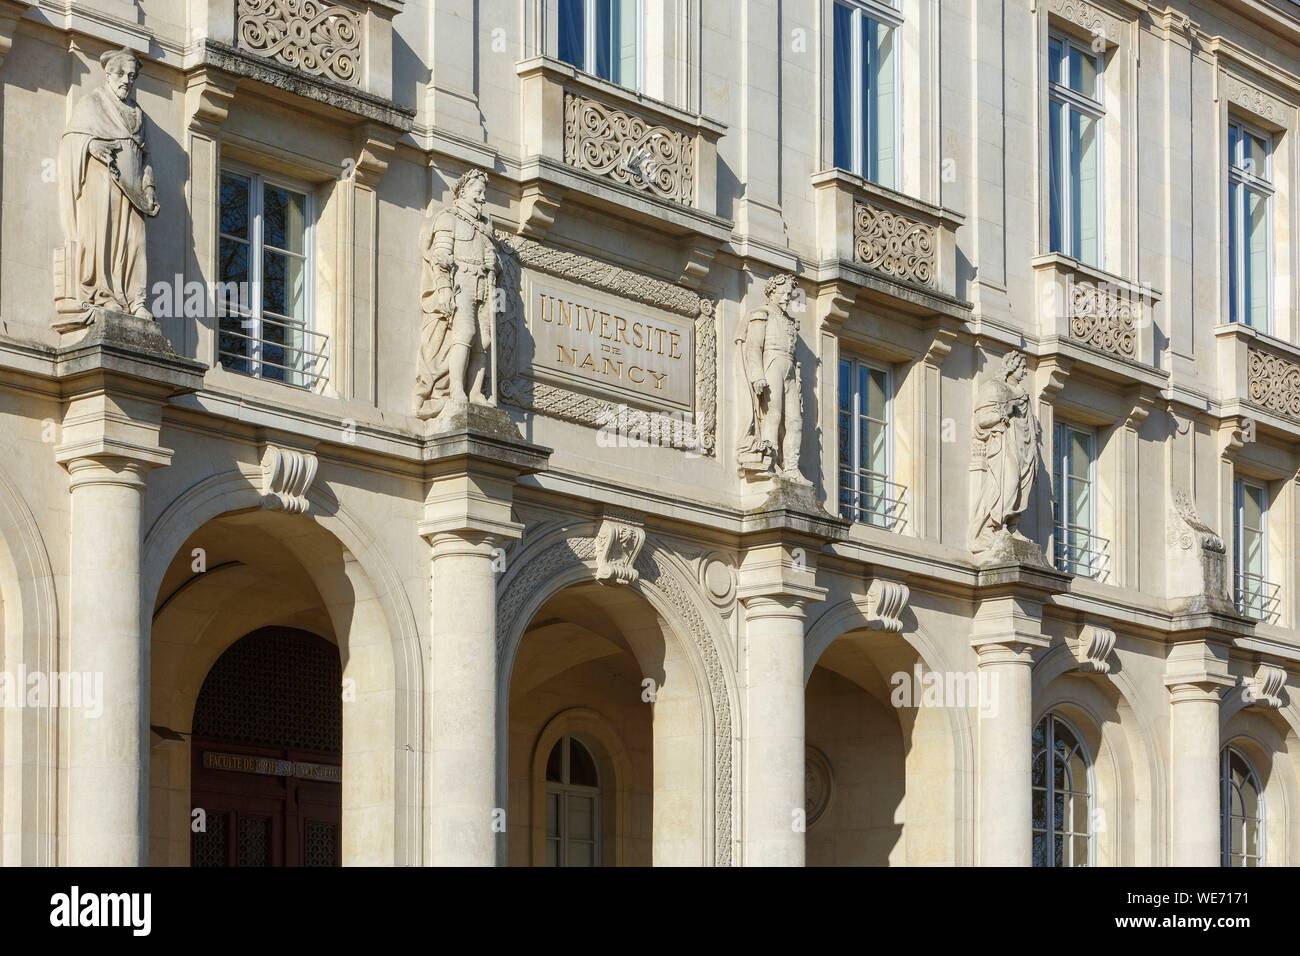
(475, 455)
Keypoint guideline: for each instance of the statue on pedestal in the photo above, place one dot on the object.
(106, 192)
(458, 295)
(767, 339)
(1004, 460)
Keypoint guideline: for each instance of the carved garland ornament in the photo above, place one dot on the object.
(564, 555)
(313, 36)
(1104, 319)
(893, 244)
(1083, 14)
(1249, 97)
(1273, 382)
(628, 149)
(656, 428)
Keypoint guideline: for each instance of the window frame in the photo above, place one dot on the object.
(1238, 535)
(1051, 718)
(892, 519)
(1241, 183)
(1061, 96)
(590, 44)
(1225, 809)
(253, 324)
(889, 17)
(563, 791)
(1062, 478)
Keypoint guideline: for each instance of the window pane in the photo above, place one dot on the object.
(605, 33)
(552, 813)
(573, 32)
(877, 394)
(582, 768)
(1057, 177)
(1236, 199)
(579, 818)
(1086, 170)
(846, 385)
(581, 854)
(1055, 58)
(235, 191)
(880, 121)
(555, 763)
(1083, 72)
(843, 41)
(624, 43)
(284, 219)
(1257, 265)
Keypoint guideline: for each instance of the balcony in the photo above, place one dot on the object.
(274, 349)
(600, 144)
(1260, 375)
(899, 249)
(1097, 319)
(871, 499)
(1256, 598)
(1078, 551)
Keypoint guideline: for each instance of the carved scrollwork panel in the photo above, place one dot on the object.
(317, 37)
(1273, 382)
(1104, 318)
(894, 245)
(629, 149)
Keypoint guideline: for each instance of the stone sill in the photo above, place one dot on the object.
(660, 112)
(1062, 263)
(328, 94)
(1262, 340)
(877, 287)
(928, 213)
(1102, 364)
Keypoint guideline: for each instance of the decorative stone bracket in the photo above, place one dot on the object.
(1094, 647)
(1267, 689)
(287, 476)
(618, 543)
(888, 600)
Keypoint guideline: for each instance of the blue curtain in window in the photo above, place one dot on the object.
(573, 32)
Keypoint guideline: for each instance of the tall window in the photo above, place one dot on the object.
(1256, 596)
(603, 38)
(1079, 550)
(1062, 796)
(866, 492)
(572, 805)
(1241, 811)
(866, 90)
(265, 273)
(1250, 225)
(1075, 127)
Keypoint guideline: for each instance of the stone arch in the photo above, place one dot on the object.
(375, 625)
(30, 630)
(1121, 741)
(545, 566)
(854, 614)
(1270, 740)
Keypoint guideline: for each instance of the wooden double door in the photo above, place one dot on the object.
(256, 810)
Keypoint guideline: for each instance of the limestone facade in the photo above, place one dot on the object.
(600, 611)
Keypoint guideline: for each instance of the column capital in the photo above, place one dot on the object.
(472, 462)
(1008, 629)
(1197, 671)
(777, 576)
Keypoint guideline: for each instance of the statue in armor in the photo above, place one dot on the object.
(459, 278)
(767, 339)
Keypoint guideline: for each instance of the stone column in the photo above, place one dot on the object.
(1196, 675)
(777, 580)
(475, 460)
(109, 442)
(1007, 631)
(774, 730)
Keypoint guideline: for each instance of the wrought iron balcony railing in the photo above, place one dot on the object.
(274, 349)
(1080, 552)
(1257, 598)
(871, 499)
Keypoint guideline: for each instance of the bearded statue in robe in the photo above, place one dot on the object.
(106, 192)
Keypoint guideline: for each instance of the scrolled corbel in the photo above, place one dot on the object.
(287, 476)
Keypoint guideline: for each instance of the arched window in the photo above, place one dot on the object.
(1241, 810)
(572, 805)
(1062, 781)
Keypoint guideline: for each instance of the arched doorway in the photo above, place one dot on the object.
(267, 754)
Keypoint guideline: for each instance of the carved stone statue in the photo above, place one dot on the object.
(767, 338)
(458, 292)
(1005, 442)
(106, 192)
